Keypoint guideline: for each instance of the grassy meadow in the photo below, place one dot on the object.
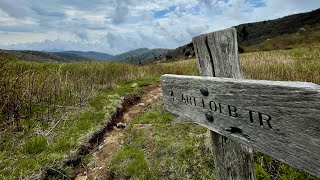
(300, 64)
(47, 110)
(160, 146)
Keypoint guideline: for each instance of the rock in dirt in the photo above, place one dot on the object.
(121, 125)
(134, 85)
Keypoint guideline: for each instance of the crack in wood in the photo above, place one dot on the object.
(210, 55)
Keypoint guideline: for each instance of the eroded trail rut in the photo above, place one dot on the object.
(115, 136)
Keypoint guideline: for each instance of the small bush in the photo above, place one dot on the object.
(35, 145)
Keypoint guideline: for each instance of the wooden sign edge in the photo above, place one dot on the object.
(293, 84)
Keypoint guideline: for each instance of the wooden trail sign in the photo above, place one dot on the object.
(281, 119)
(217, 55)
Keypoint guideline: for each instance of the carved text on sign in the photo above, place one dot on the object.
(220, 108)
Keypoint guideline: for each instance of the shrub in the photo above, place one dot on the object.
(35, 145)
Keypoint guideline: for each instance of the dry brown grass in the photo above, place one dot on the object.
(293, 65)
(29, 89)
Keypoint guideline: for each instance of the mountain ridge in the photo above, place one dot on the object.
(255, 33)
(91, 54)
(41, 56)
(282, 33)
(141, 55)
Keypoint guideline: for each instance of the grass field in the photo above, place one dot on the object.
(160, 146)
(182, 151)
(301, 64)
(46, 109)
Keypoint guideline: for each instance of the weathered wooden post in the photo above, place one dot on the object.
(277, 118)
(217, 55)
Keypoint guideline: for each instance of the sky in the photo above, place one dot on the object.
(117, 26)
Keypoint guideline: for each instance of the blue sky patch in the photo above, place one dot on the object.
(162, 13)
(257, 3)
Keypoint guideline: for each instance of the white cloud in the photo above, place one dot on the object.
(116, 26)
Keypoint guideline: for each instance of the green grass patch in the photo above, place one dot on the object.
(156, 116)
(30, 149)
(268, 168)
(164, 149)
(134, 160)
(157, 147)
(261, 174)
(35, 145)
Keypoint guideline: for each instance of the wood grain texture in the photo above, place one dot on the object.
(217, 55)
(281, 119)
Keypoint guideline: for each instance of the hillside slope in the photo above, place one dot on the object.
(183, 52)
(284, 33)
(141, 55)
(255, 33)
(40, 56)
(91, 54)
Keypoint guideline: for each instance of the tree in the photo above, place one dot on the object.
(244, 33)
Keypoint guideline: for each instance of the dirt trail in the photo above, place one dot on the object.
(114, 138)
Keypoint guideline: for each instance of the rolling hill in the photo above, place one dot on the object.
(183, 52)
(141, 55)
(284, 33)
(91, 54)
(40, 56)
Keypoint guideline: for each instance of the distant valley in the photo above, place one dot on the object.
(141, 55)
